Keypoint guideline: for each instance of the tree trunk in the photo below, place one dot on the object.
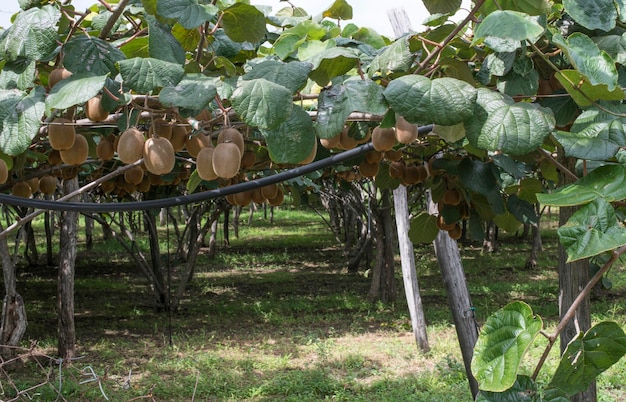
(65, 285)
(383, 285)
(48, 225)
(490, 242)
(409, 275)
(226, 226)
(163, 300)
(88, 227)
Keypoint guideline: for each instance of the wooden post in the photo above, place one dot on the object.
(409, 276)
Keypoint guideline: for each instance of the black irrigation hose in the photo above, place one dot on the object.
(191, 198)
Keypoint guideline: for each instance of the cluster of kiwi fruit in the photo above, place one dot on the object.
(452, 197)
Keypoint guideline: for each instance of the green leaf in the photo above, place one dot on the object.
(532, 7)
(608, 182)
(339, 10)
(589, 355)
(293, 140)
(613, 45)
(588, 59)
(293, 75)
(498, 64)
(591, 230)
(522, 210)
(33, 34)
(262, 103)
(482, 178)
(383, 180)
(442, 6)
(564, 108)
(74, 90)
(507, 222)
(514, 84)
(162, 44)
(598, 14)
(187, 13)
(504, 31)
(147, 74)
(19, 74)
(423, 228)
(444, 101)
(583, 92)
(244, 23)
(332, 63)
(523, 390)
(395, 57)
(450, 133)
(22, 123)
(595, 135)
(502, 342)
(90, 54)
(337, 102)
(8, 102)
(195, 91)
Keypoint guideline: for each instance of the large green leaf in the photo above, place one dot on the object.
(74, 90)
(195, 92)
(339, 10)
(503, 341)
(244, 23)
(583, 92)
(147, 74)
(262, 103)
(444, 101)
(505, 31)
(589, 60)
(187, 13)
(597, 14)
(514, 84)
(84, 53)
(293, 140)
(591, 230)
(513, 128)
(291, 75)
(523, 390)
(8, 102)
(522, 210)
(395, 57)
(331, 63)
(383, 180)
(336, 103)
(532, 7)
(595, 135)
(588, 355)
(614, 46)
(423, 228)
(608, 182)
(290, 39)
(19, 74)
(33, 34)
(162, 44)
(442, 6)
(23, 123)
(482, 178)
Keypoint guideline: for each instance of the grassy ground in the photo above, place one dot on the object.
(276, 317)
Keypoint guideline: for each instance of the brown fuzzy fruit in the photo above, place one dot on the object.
(61, 134)
(406, 132)
(345, 140)
(231, 135)
(257, 196)
(411, 174)
(179, 136)
(4, 172)
(196, 143)
(134, 175)
(34, 184)
(276, 201)
(456, 232)
(78, 153)
(451, 196)
(269, 191)
(54, 158)
(383, 139)
(443, 225)
(330, 143)
(226, 160)
(144, 185)
(108, 186)
(374, 156)
(368, 169)
(48, 184)
(396, 169)
(57, 75)
(248, 159)
(393, 155)
(204, 164)
(242, 198)
(94, 109)
(158, 155)
(130, 146)
(161, 128)
(21, 189)
(104, 150)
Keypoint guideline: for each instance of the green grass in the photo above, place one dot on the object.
(276, 317)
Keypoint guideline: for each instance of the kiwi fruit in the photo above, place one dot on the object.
(54, 158)
(383, 139)
(331, 143)
(158, 155)
(21, 189)
(231, 135)
(179, 136)
(345, 140)
(226, 160)
(161, 128)
(144, 184)
(242, 198)
(104, 150)
(61, 134)
(269, 191)
(196, 143)
(368, 169)
(94, 109)
(257, 196)
(393, 155)
(204, 164)
(57, 75)
(443, 225)
(248, 159)
(411, 174)
(130, 146)
(456, 232)
(396, 169)
(278, 199)
(34, 184)
(374, 156)
(108, 186)
(451, 196)
(133, 175)
(48, 184)
(406, 132)
(4, 171)
(77, 154)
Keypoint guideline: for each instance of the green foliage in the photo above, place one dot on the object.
(423, 228)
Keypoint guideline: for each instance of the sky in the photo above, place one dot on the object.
(366, 13)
